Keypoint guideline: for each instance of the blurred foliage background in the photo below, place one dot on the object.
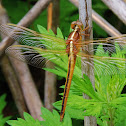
(16, 9)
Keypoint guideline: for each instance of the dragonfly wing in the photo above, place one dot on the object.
(34, 56)
(29, 37)
(105, 56)
(121, 39)
(107, 43)
(104, 64)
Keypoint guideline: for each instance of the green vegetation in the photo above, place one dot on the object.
(107, 102)
(2, 106)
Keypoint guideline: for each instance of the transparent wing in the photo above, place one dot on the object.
(105, 57)
(29, 37)
(100, 63)
(104, 65)
(108, 44)
(34, 56)
(106, 54)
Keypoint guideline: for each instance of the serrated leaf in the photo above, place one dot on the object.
(74, 113)
(29, 121)
(67, 121)
(42, 29)
(51, 32)
(59, 33)
(90, 107)
(85, 86)
(53, 118)
(56, 71)
(120, 100)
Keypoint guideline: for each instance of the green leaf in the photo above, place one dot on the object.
(57, 71)
(67, 120)
(2, 106)
(59, 33)
(3, 119)
(2, 102)
(53, 118)
(120, 115)
(74, 113)
(93, 107)
(27, 121)
(84, 86)
(51, 32)
(42, 29)
(50, 119)
(118, 101)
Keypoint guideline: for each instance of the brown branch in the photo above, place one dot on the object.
(30, 92)
(112, 31)
(101, 22)
(13, 85)
(49, 18)
(9, 72)
(50, 78)
(50, 88)
(55, 15)
(85, 16)
(28, 87)
(26, 21)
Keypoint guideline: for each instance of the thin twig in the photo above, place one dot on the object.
(50, 78)
(55, 17)
(49, 18)
(101, 22)
(26, 21)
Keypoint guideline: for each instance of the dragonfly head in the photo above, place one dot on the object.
(77, 25)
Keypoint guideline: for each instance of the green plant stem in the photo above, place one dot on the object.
(111, 122)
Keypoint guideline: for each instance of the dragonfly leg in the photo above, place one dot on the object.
(85, 34)
(90, 28)
(86, 28)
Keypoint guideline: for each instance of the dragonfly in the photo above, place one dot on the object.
(107, 54)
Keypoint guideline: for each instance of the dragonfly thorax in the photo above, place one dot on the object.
(72, 41)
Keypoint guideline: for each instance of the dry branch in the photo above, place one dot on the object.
(30, 92)
(28, 87)
(50, 78)
(112, 31)
(9, 72)
(118, 7)
(13, 85)
(85, 16)
(101, 22)
(26, 21)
